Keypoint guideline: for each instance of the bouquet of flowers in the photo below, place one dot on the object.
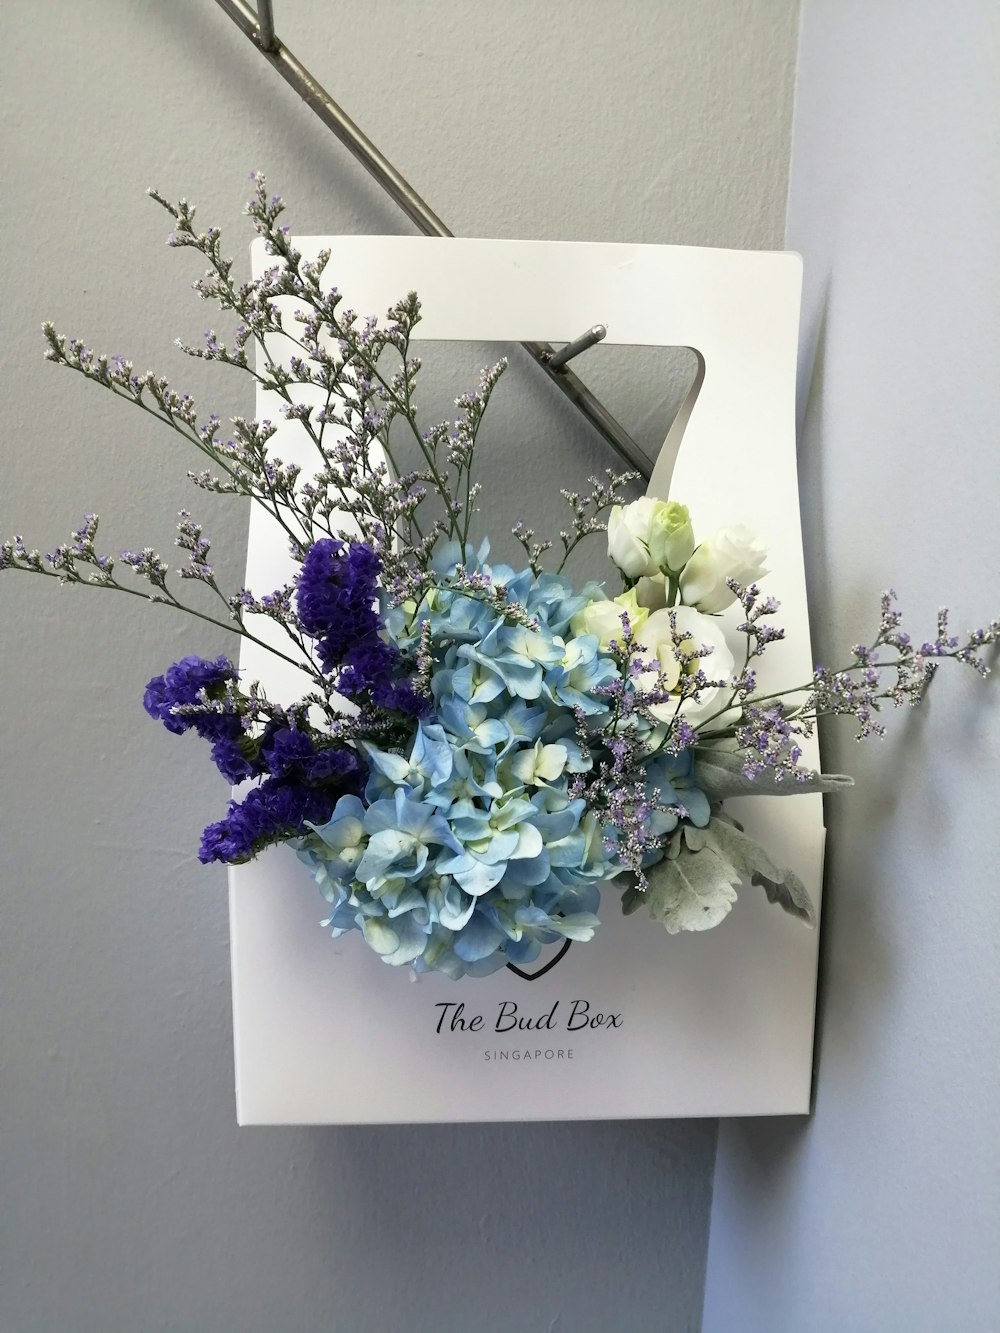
(477, 749)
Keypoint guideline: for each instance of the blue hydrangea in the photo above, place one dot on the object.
(470, 850)
(469, 846)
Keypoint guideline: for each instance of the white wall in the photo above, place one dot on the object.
(882, 1212)
(130, 1199)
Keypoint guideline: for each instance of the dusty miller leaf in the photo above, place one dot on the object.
(790, 894)
(749, 860)
(691, 890)
(719, 774)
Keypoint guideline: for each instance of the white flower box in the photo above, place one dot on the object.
(636, 1023)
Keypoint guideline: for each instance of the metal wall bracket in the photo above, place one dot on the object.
(259, 28)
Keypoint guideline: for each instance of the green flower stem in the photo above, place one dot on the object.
(403, 405)
(272, 383)
(798, 714)
(239, 627)
(569, 548)
(406, 407)
(296, 638)
(414, 524)
(163, 598)
(191, 437)
(568, 551)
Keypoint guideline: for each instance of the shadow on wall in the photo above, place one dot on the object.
(414, 1204)
(857, 864)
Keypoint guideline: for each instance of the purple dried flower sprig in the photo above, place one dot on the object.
(354, 408)
(77, 562)
(773, 725)
(343, 357)
(301, 769)
(588, 511)
(618, 786)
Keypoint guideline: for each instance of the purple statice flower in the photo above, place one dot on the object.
(277, 809)
(288, 752)
(231, 760)
(285, 750)
(369, 666)
(403, 696)
(336, 593)
(336, 596)
(193, 680)
(370, 669)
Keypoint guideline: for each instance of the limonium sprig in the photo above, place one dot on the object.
(477, 747)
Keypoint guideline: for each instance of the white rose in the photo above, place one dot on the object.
(698, 631)
(733, 553)
(604, 618)
(629, 535)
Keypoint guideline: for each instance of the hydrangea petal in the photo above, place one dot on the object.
(479, 939)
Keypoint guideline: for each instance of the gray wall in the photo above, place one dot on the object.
(882, 1213)
(131, 1201)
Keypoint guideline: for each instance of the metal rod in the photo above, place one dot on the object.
(260, 30)
(265, 25)
(335, 118)
(589, 339)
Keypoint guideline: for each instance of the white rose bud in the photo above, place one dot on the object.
(733, 553)
(671, 536)
(628, 537)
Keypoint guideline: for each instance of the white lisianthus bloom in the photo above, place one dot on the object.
(604, 618)
(698, 631)
(628, 537)
(733, 553)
